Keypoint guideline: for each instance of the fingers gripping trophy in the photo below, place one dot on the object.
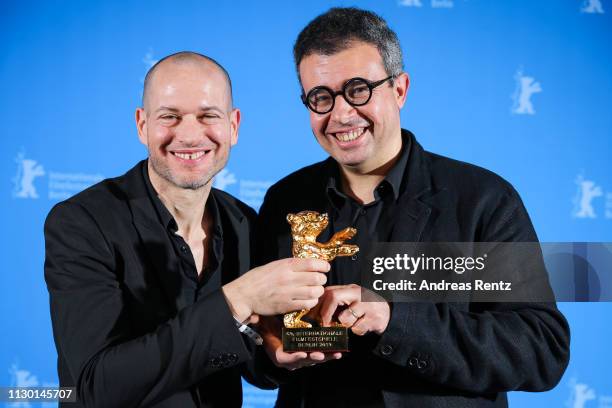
(300, 335)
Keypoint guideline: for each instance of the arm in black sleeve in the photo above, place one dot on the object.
(269, 221)
(256, 370)
(113, 367)
(488, 347)
(266, 244)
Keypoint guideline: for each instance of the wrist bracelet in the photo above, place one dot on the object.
(243, 328)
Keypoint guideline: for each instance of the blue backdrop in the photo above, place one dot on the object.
(521, 88)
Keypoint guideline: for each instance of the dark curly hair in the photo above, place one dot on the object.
(335, 30)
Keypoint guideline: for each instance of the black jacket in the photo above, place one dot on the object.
(433, 354)
(124, 338)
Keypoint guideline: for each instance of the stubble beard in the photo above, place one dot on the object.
(162, 170)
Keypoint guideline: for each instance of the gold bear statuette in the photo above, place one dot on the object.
(306, 226)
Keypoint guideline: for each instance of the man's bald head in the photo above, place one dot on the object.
(183, 57)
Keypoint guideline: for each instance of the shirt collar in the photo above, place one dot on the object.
(164, 216)
(396, 174)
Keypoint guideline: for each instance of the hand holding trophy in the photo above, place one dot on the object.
(300, 335)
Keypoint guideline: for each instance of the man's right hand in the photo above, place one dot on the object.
(279, 287)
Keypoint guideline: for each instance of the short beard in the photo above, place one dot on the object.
(164, 173)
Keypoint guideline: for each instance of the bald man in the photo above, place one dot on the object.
(147, 272)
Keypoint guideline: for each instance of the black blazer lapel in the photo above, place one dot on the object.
(414, 212)
(153, 236)
(410, 221)
(241, 231)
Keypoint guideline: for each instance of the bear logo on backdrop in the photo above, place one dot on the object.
(434, 3)
(224, 179)
(526, 86)
(592, 7)
(583, 201)
(587, 198)
(411, 3)
(60, 185)
(252, 192)
(581, 394)
(587, 6)
(27, 171)
(25, 378)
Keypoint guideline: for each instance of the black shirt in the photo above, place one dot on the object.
(192, 286)
(374, 223)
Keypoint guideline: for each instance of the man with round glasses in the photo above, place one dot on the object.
(356, 92)
(380, 180)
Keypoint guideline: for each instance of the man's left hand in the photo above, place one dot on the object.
(360, 317)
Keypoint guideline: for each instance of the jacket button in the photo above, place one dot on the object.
(413, 361)
(386, 350)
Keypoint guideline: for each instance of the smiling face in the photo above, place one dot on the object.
(188, 123)
(361, 138)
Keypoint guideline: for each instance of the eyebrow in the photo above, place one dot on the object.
(212, 108)
(166, 108)
(201, 109)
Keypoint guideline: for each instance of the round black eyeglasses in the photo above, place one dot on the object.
(355, 91)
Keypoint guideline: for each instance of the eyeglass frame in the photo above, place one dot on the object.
(371, 86)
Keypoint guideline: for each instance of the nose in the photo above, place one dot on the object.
(190, 131)
(342, 111)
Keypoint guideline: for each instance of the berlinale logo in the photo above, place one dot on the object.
(526, 86)
(592, 7)
(223, 179)
(411, 3)
(25, 378)
(27, 171)
(434, 3)
(586, 193)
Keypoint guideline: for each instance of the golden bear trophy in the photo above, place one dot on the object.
(300, 335)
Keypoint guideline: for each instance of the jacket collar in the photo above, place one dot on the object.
(417, 193)
(154, 235)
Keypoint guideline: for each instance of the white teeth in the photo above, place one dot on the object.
(189, 156)
(351, 135)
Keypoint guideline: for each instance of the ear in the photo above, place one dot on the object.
(141, 125)
(290, 218)
(400, 88)
(235, 117)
